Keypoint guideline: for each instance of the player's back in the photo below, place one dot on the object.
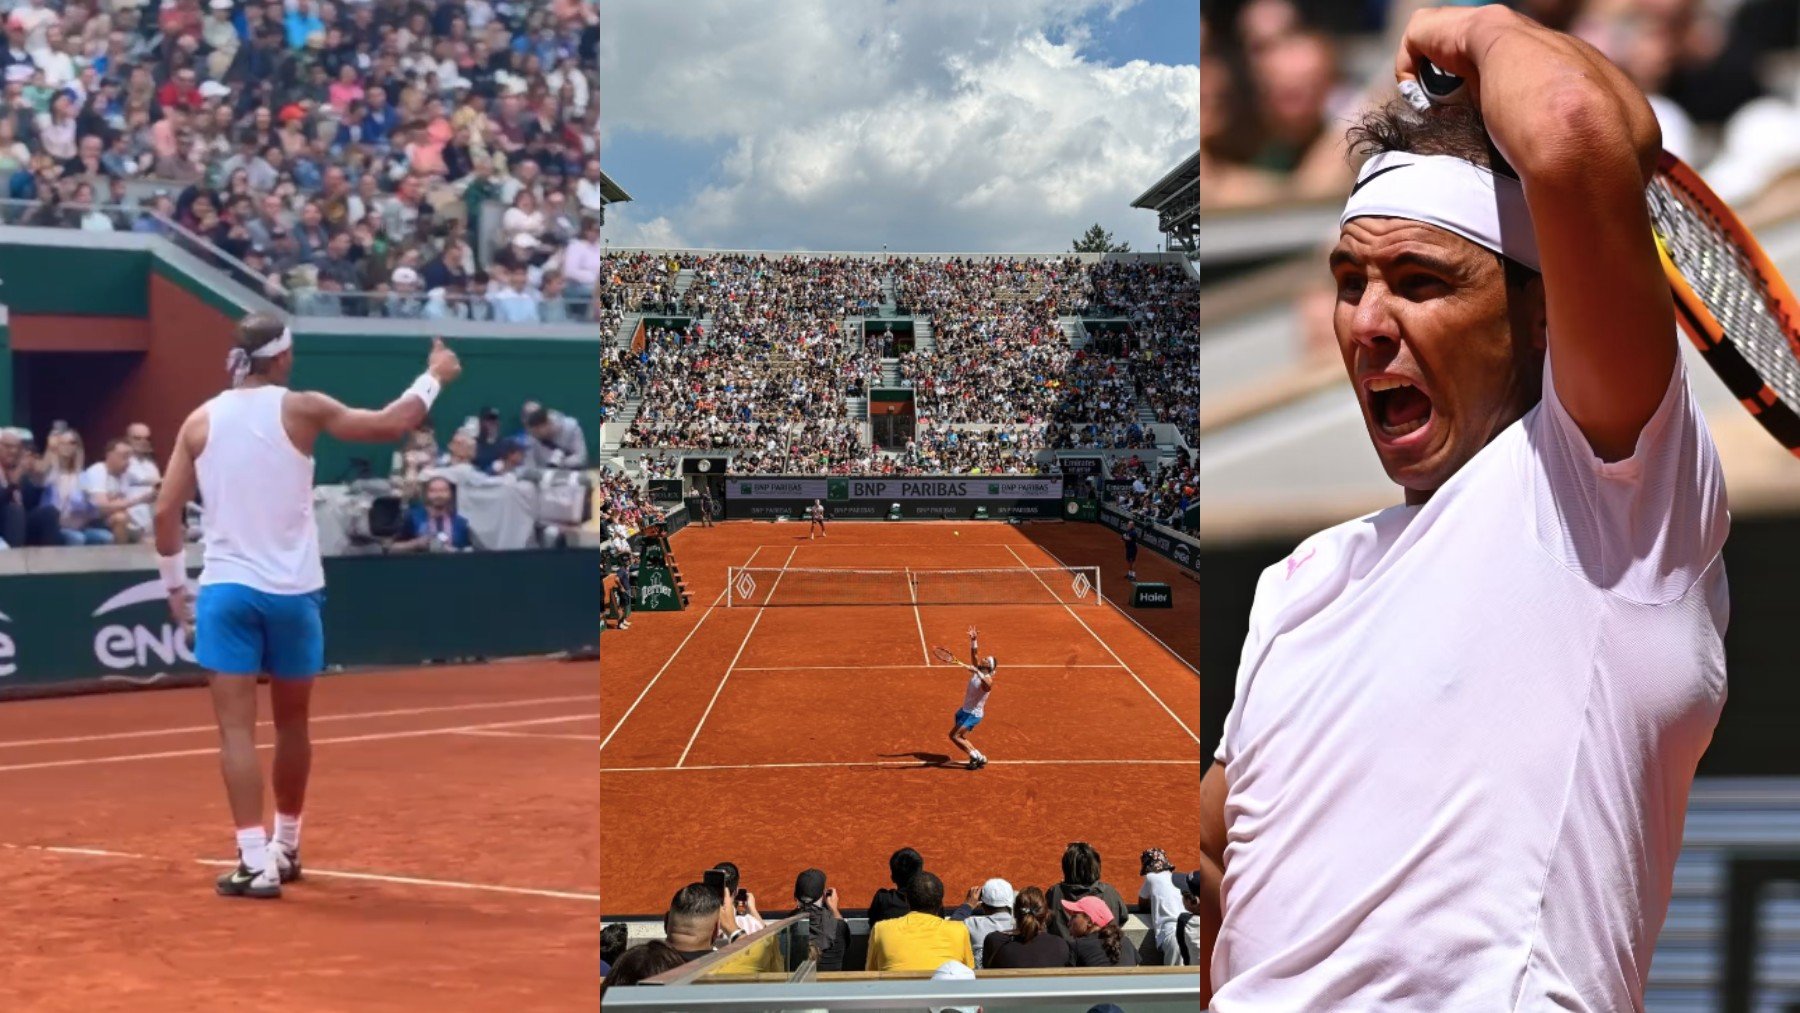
(256, 488)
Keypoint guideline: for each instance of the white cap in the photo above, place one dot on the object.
(213, 89)
(525, 241)
(405, 276)
(220, 5)
(953, 970)
(997, 893)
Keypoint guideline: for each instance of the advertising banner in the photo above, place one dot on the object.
(665, 490)
(112, 627)
(924, 497)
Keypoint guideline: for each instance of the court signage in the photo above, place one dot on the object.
(856, 498)
(1152, 596)
(9, 651)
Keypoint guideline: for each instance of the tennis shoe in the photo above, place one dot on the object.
(244, 881)
(287, 863)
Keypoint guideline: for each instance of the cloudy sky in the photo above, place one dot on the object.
(925, 125)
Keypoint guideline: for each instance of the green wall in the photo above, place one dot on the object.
(368, 371)
(76, 280)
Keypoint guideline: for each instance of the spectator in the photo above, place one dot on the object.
(63, 465)
(434, 525)
(1081, 878)
(1186, 932)
(641, 962)
(888, 902)
(1160, 898)
(921, 939)
(1028, 944)
(107, 485)
(27, 517)
(614, 939)
(745, 916)
(1096, 939)
(557, 440)
(692, 921)
(827, 933)
(987, 909)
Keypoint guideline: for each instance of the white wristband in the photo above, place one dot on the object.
(426, 389)
(173, 570)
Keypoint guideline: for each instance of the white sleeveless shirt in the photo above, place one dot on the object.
(256, 488)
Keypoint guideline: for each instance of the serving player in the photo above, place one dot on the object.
(1465, 727)
(248, 453)
(817, 527)
(981, 683)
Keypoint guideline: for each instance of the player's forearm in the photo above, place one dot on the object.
(168, 524)
(1554, 106)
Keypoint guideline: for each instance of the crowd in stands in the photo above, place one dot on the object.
(1077, 922)
(1276, 94)
(1162, 494)
(51, 495)
(756, 361)
(373, 158)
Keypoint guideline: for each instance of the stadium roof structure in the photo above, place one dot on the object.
(1176, 200)
(610, 193)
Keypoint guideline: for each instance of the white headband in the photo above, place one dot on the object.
(237, 361)
(1450, 193)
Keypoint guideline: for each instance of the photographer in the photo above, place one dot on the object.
(827, 933)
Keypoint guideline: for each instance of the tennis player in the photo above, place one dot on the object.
(248, 453)
(1465, 727)
(1130, 537)
(981, 683)
(817, 527)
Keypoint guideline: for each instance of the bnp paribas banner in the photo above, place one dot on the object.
(935, 496)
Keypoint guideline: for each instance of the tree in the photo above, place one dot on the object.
(1098, 240)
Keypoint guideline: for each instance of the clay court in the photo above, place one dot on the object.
(786, 737)
(449, 850)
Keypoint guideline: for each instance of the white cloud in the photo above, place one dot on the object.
(948, 126)
(657, 233)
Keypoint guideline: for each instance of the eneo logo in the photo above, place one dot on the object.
(124, 645)
(8, 650)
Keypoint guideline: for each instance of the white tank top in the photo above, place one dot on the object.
(975, 697)
(256, 490)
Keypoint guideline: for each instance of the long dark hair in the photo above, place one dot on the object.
(1112, 940)
(1028, 914)
(645, 960)
(1081, 864)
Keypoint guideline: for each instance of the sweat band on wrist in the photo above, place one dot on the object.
(173, 570)
(426, 389)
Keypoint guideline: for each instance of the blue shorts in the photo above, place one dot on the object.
(239, 630)
(965, 720)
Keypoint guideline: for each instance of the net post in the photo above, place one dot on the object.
(730, 578)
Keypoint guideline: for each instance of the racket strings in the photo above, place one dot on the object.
(1731, 286)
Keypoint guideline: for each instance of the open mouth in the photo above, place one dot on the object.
(1398, 408)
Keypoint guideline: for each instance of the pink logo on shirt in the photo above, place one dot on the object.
(1296, 562)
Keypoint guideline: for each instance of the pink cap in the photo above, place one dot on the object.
(1093, 907)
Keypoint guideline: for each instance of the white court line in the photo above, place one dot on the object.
(734, 660)
(372, 737)
(704, 616)
(873, 668)
(912, 592)
(317, 719)
(907, 766)
(449, 884)
(1115, 656)
(488, 733)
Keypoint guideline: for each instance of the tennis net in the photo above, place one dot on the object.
(767, 587)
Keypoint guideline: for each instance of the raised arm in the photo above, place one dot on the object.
(1585, 143)
(320, 413)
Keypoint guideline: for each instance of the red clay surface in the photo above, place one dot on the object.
(789, 737)
(479, 780)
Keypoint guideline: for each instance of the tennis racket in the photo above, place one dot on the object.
(1729, 299)
(943, 654)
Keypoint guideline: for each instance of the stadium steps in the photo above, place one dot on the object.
(922, 336)
(684, 279)
(627, 327)
(1146, 415)
(857, 409)
(1077, 334)
(890, 372)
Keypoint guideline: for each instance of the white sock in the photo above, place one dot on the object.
(253, 848)
(287, 831)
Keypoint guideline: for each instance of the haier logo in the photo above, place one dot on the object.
(8, 652)
(121, 646)
(1155, 598)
